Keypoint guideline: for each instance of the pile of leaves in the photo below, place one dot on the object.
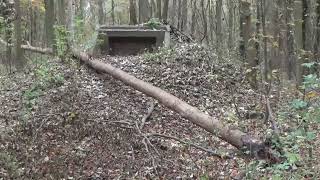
(81, 124)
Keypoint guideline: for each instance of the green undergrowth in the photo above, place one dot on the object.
(45, 75)
(299, 121)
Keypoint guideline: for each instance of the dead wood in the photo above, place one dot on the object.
(227, 133)
(30, 48)
(148, 115)
(209, 151)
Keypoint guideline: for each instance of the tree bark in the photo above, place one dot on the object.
(133, 13)
(316, 48)
(18, 51)
(245, 22)
(193, 17)
(144, 11)
(227, 133)
(159, 6)
(219, 42)
(230, 23)
(29, 48)
(204, 22)
(101, 12)
(184, 15)
(290, 59)
(62, 12)
(112, 12)
(165, 10)
(49, 22)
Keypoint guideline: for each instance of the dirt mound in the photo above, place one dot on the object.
(84, 126)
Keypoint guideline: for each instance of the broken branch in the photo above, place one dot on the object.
(211, 152)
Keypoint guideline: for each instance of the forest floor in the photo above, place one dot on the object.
(62, 120)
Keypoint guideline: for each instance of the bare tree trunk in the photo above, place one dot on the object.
(165, 10)
(61, 12)
(159, 9)
(245, 22)
(230, 23)
(133, 13)
(184, 15)
(144, 11)
(101, 12)
(219, 42)
(204, 22)
(193, 18)
(290, 39)
(179, 14)
(18, 51)
(316, 48)
(82, 10)
(112, 12)
(49, 22)
(212, 125)
(174, 13)
(70, 21)
(266, 63)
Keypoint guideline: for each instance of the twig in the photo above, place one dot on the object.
(211, 152)
(147, 116)
(146, 138)
(270, 117)
(147, 142)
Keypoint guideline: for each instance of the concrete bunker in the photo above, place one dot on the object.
(131, 40)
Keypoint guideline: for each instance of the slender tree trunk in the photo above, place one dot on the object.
(144, 11)
(267, 70)
(70, 24)
(316, 48)
(230, 23)
(290, 39)
(133, 13)
(101, 12)
(61, 12)
(184, 15)
(165, 10)
(18, 51)
(204, 22)
(49, 22)
(193, 18)
(112, 12)
(174, 13)
(245, 26)
(219, 42)
(159, 9)
(179, 14)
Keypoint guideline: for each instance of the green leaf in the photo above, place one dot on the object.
(311, 136)
(308, 65)
(292, 158)
(299, 104)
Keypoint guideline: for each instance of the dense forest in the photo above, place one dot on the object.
(159, 89)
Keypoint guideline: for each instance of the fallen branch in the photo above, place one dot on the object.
(211, 152)
(28, 47)
(147, 116)
(271, 118)
(229, 134)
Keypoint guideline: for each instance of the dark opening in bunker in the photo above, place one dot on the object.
(131, 45)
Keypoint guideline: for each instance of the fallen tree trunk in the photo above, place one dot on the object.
(231, 135)
(30, 48)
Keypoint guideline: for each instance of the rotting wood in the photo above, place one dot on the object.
(30, 48)
(225, 132)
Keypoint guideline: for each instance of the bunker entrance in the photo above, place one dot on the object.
(131, 40)
(125, 46)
